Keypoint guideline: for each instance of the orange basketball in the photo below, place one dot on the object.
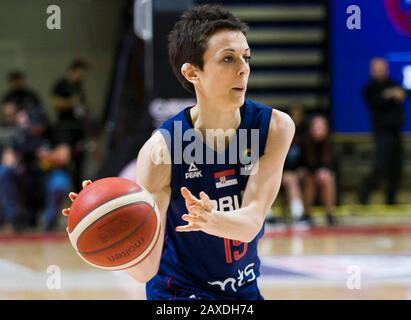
(113, 223)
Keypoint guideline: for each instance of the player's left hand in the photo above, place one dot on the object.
(200, 211)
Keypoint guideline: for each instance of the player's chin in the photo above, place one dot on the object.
(237, 96)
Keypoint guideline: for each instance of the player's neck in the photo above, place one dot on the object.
(213, 116)
(207, 116)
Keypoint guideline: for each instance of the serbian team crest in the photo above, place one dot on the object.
(225, 178)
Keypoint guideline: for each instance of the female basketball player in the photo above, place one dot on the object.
(212, 214)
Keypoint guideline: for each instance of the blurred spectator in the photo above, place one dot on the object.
(291, 181)
(71, 107)
(319, 163)
(32, 173)
(385, 99)
(9, 111)
(17, 97)
(18, 92)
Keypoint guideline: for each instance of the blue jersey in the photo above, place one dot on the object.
(196, 264)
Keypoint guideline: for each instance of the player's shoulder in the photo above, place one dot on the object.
(281, 126)
(168, 125)
(155, 149)
(153, 170)
(279, 120)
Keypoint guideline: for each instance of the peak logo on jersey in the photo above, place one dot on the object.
(225, 178)
(193, 172)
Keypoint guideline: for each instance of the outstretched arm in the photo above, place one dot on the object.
(262, 189)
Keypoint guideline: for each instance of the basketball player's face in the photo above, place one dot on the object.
(224, 77)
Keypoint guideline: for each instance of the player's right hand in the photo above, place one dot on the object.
(73, 196)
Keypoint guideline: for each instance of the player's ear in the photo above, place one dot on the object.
(189, 72)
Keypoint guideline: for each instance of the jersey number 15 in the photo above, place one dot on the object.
(233, 250)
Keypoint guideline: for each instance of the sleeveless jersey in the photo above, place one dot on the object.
(196, 262)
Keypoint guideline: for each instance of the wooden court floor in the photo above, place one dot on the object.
(350, 262)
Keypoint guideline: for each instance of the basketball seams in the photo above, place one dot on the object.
(138, 259)
(144, 255)
(101, 211)
(115, 180)
(127, 236)
(107, 209)
(105, 202)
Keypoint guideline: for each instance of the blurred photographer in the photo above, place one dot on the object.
(33, 172)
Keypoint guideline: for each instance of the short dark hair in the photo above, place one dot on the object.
(78, 64)
(188, 40)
